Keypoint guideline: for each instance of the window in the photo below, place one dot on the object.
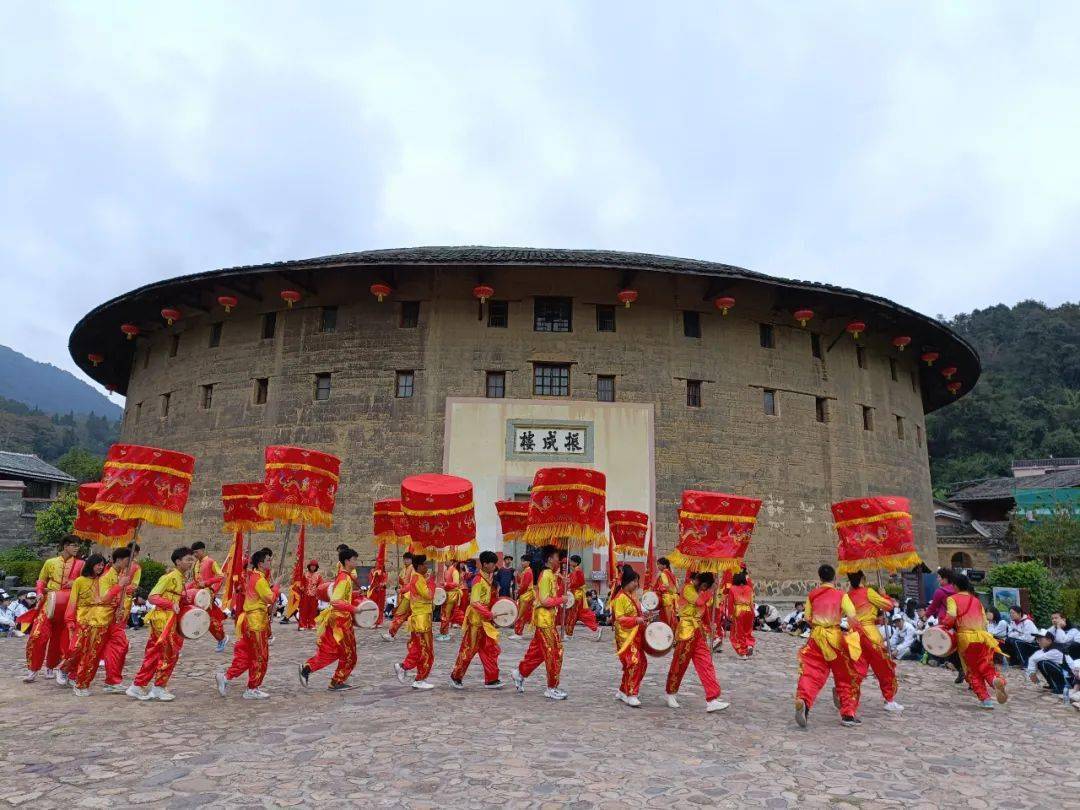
(605, 388)
(165, 405)
(894, 370)
(174, 345)
(867, 417)
(138, 412)
(269, 325)
(322, 387)
(207, 397)
(409, 315)
(918, 435)
(693, 393)
(403, 384)
(215, 335)
(551, 380)
(960, 559)
(498, 314)
(552, 315)
(821, 409)
(495, 385)
(605, 318)
(815, 345)
(914, 382)
(262, 386)
(900, 427)
(765, 336)
(40, 490)
(328, 319)
(691, 323)
(770, 402)
(860, 356)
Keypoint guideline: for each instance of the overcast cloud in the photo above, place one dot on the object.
(926, 152)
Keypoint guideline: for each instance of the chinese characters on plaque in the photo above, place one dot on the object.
(539, 440)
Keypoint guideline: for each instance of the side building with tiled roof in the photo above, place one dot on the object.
(27, 485)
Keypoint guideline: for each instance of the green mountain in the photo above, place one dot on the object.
(50, 389)
(1027, 402)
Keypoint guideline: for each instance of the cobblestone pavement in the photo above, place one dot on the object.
(384, 744)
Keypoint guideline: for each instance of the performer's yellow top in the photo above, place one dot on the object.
(969, 620)
(546, 589)
(867, 611)
(334, 615)
(257, 596)
(92, 603)
(169, 587)
(420, 602)
(480, 600)
(624, 607)
(691, 612)
(52, 573)
(111, 578)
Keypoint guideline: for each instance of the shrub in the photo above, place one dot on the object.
(895, 590)
(26, 570)
(1070, 604)
(17, 554)
(151, 573)
(1033, 575)
(50, 525)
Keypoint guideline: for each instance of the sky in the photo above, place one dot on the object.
(926, 152)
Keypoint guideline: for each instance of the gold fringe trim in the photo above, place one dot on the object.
(306, 468)
(451, 553)
(567, 488)
(138, 511)
(295, 513)
(457, 510)
(714, 565)
(706, 516)
(565, 535)
(107, 540)
(872, 519)
(234, 526)
(512, 537)
(890, 562)
(628, 523)
(637, 551)
(117, 465)
(241, 497)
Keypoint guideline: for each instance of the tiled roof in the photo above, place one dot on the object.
(25, 466)
(996, 489)
(991, 529)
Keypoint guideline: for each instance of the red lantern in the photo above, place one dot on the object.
(627, 297)
(171, 315)
(948, 372)
(803, 316)
(724, 303)
(856, 328)
(929, 357)
(900, 341)
(129, 329)
(95, 358)
(380, 289)
(227, 301)
(290, 297)
(955, 387)
(482, 291)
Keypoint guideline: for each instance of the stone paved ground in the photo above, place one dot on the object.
(385, 745)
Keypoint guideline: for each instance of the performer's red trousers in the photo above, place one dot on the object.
(814, 674)
(544, 648)
(309, 609)
(81, 662)
(580, 613)
(634, 663)
(695, 649)
(217, 622)
(474, 641)
(401, 615)
(47, 642)
(378, 596)
(159, 660)
(329, 650)
(251, 655)
(525, 610)
(449, 613)
(420, 654)
(876, 657)
(742, 632)
(115, 653)
(978, 667)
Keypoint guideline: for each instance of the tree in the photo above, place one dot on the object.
(1042, 590)
(81, 465)
(1054, 539)
(50, 525)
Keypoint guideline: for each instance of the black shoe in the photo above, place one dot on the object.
(304, 673)
(801, 713)
(858, 722)
(339, 687)
(848, 720)
(959, 677)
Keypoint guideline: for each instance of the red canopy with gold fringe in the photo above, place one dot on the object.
(241, 507)
(567, 508)
(513, 518)
(301, 485)
(100, 527)
(389, 523)
(875, 534)
(441, 515)
(714, 531)
(629, 530)
(145, 483)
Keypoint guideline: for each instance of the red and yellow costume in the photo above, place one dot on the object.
(252, 651)
(309, 598)
(401, 612)
(629, 622)
(579, 611)
(47, 642)
(828, 650)
(421, 653)
(740, 607)
(874, 652)
(976, 646)
(690, 644)
(337, 639)
(526, 596)
(667, 588)
(89, 613)
(546, 646)
(377, 579)
(206, 573)
(453, 586)
(165, 642)
(116, 641)
(479, 633)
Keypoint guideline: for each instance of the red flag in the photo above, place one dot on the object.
(232, 589)
(297, 586)
(380, 560)
(650, 561)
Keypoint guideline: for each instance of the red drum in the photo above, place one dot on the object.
(939, 642)
(366, 614)
(504, 612)
(56, 602)
(650, 600)
(193, 622)
(659, 639)
(439, 597)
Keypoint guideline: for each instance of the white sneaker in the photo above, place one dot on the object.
(561, 692)
(632, 700)
(29, 677)
(221, 644)
(50, 673)
(619, 695)
(222, 683)
(554, 694)
(114, 689)
(80, 692)
(386, 637)
(399, 670)
(716, 705)
(519, 682)
(457, 684)
(263, 692)
(893, 706)
(422, 685)
(162, 694)
(672, 702)
(61, 678)
(442, 637)
(599, 634)
(137, 692)
(254, 694)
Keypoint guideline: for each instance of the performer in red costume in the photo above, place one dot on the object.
(579, 611)
(479, 634)
(546, 646)
(691, 645)
(526, 594)
(740, 608)
(964, 612)
(116, 641)
(252, 651)
(875, 653)
(377, 580)
(207, 574)
(667, 588)
(47, 642)
(336, 637)
(309, 597)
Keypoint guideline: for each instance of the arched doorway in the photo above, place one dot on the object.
(960, 559)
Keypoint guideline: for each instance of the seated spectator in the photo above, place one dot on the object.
(996, 625)
(1048, 660)
(138, 612)
(1020, 637)
(768, 616)
(7, 615)
(1064, 633)
(903, 642)
(1073, 666)
(28, 601)
(794, 622)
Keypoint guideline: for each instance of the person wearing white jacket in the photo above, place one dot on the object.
(901, 639)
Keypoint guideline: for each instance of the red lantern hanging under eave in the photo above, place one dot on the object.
(804, 316)
(95, 359)
(171, 315)
(629, 529)
(483, 292)
(99, 527)
(129, 329)
(567, 508)
(441, 515)
(724, 303)
(228, 301)
(855, 328)
(513, 519)
(627, 297)
(901, 341)
(380, 289)
(145, 483)
(290, 297)
(389, 523)
(954, 387)
(874, 534)
(301, 485)
(949, 372)
(929, 357)
(240, 505)
(714, 531)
